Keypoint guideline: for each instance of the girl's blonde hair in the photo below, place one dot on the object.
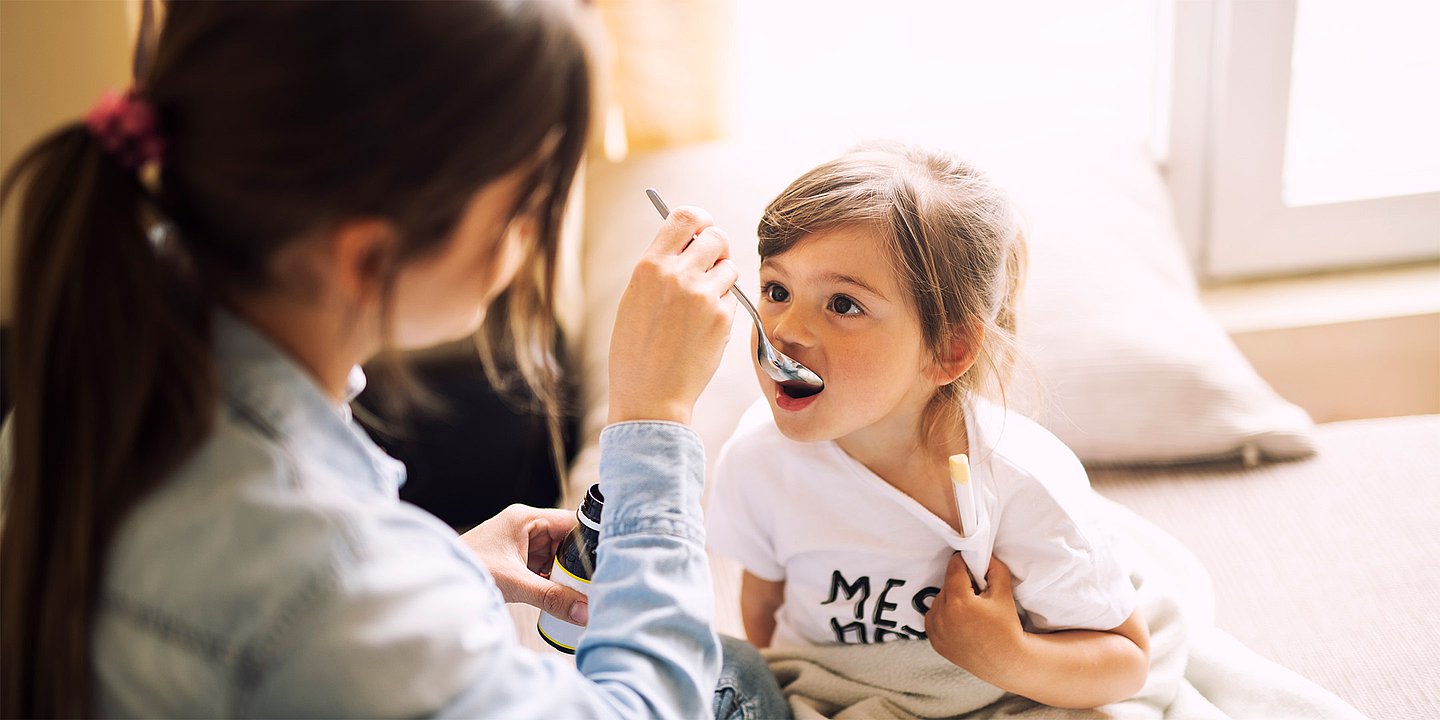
(955, 240)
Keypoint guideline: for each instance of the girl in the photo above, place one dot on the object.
(894, 272)
(194, 526)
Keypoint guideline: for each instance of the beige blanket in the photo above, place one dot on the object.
(1197, 671)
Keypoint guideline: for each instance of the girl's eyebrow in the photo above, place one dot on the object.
(838, 278)
(843, 279)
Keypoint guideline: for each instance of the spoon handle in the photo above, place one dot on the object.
(745, 301)
(657, 202)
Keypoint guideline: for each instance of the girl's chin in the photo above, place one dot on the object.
(797, 426)
(799, 433)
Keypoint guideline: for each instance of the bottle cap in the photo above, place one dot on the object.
(592, 507)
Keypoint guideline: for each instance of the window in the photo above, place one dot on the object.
(1295, 135)
(1302, 133)
(1363, 110)
(963, 74)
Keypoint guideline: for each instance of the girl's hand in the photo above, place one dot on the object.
(517, 546)
(1068, 668)
(673, 321)
(980, 633)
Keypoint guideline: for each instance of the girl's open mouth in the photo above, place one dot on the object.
(795, 397)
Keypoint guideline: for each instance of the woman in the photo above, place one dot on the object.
(194, 524)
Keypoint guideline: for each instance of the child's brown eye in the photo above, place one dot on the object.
(844, 306)
(775, 293)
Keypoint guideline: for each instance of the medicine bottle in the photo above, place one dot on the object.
(574, 564)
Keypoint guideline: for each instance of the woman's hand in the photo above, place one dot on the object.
(673, 322)
(980, 633)
(518, 546)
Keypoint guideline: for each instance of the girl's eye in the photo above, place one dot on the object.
(775, 293)
(844, 305)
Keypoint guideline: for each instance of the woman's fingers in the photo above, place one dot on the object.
(548, 595)
(516, 545)
(673, 321)
(547, 528)
(710, 246)
(721, 276)
(680, 226)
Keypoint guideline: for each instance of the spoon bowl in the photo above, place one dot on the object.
(797, 380)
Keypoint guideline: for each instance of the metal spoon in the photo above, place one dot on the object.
(798, 380)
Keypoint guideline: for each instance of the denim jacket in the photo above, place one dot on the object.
(278, 574)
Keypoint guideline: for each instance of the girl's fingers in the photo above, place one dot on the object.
(957, 578)
(998, 579)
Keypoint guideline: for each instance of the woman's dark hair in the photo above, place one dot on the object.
(280, 121)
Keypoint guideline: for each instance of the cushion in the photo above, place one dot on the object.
(1124, 364)
(1127, 365)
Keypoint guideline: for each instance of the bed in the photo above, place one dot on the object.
(1345, 590)
(1313, 546)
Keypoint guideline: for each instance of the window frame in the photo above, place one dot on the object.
(1229, 88)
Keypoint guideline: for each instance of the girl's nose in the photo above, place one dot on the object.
(789, 328)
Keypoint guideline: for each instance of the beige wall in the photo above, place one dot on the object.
(56, 56)
(1362, 369)
(1348, 345)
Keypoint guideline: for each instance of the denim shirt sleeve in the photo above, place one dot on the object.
(409, 624)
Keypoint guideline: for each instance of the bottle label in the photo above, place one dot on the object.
(561, 634)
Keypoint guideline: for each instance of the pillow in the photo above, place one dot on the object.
(1129, 367)
(1133, 369)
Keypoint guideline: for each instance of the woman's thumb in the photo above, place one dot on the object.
(554, 598)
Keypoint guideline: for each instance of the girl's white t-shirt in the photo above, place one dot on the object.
(862, 561)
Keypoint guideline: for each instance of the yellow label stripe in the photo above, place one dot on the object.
(573, 575)
(553, 641)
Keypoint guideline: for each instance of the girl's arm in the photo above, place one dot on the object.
(759, 599)
(1070, 668)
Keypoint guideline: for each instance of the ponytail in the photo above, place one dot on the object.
(111, 368)
(114, 386)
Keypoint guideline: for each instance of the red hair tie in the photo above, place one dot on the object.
(126, 127)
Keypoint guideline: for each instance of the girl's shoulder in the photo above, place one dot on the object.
(1020, 451)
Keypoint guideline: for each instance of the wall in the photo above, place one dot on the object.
(1343, 371)
(55, 59)
(1351, 345)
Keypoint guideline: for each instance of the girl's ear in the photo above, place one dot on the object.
(361, 249)
(959, 357)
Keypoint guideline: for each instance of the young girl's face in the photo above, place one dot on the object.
(833, 303)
